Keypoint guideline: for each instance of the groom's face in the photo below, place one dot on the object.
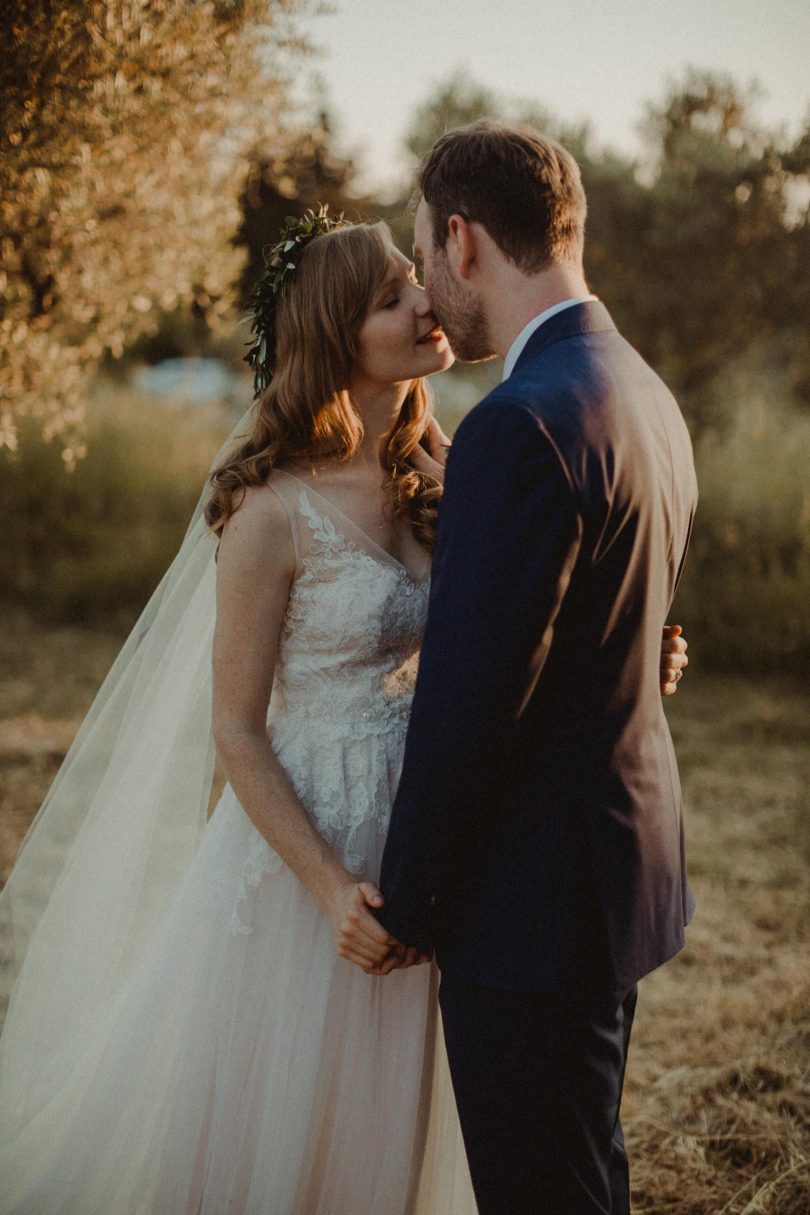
(453, 302)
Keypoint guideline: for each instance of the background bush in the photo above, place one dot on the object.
(745, 595)
(89, 545)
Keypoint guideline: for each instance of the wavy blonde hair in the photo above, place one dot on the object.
(306, 411)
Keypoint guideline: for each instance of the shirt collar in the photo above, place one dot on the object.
(516, 349)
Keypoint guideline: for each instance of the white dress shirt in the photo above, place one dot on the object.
(516, 349)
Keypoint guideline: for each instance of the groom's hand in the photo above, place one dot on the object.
(399, 958)
(673, 658)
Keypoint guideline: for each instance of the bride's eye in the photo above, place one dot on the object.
(392, 303)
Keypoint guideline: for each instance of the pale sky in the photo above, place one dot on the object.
(593, 59)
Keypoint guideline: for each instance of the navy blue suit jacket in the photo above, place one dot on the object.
(537, 832)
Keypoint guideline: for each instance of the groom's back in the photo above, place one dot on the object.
(587, 839)
(620, 435)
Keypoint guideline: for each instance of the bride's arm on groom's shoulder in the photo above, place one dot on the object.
(255, 566)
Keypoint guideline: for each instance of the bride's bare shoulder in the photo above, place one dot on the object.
(258, 532)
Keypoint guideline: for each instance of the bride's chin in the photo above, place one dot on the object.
(446, 363)
(443, 362)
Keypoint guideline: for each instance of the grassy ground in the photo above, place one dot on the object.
(718, 1096)
(717, 1103)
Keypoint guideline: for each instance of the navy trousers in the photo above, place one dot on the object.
(538, 1081)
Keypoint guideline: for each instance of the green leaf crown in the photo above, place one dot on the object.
(280, 261)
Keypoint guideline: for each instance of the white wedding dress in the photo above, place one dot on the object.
(245, 1068)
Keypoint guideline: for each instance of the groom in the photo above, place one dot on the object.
(536, 841)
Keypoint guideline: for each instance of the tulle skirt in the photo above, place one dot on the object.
(245, 1068)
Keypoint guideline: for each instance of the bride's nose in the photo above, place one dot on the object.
(422, 305)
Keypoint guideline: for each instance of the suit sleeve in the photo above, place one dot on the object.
(510, 530)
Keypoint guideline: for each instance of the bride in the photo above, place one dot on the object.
(198, 1023)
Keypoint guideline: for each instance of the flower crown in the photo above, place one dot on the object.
(280, 261)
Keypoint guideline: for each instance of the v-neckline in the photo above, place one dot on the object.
(389, 556)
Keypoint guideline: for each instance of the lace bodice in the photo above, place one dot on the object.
(354, 621)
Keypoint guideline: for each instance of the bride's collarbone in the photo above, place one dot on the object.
(361, 500)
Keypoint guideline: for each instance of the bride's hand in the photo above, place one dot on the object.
(359, 936)
(673, 658)
(432, 461)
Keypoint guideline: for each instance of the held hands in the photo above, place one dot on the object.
(361, 938)
(673, 658)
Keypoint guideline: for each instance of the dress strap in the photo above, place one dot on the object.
(284, 487)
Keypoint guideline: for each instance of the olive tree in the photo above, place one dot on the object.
(124, 132)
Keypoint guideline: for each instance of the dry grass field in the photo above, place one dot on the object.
(717, 1106)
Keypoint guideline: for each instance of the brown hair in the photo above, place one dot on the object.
(306, 411)
(523, 187)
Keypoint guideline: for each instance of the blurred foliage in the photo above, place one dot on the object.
(461, 99)
(711, 249)
(304, 172)
(746, 587)
(91, 544)
(123, 126)
(307, 173)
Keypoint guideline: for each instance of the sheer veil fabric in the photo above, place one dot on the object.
(121, 820)
(116, 951)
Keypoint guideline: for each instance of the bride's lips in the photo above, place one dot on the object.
(436, 334)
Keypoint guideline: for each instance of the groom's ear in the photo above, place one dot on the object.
(460, 247)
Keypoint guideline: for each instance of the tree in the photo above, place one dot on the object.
(124, 125)
(717, 238)
(460, 100)
(304, 174)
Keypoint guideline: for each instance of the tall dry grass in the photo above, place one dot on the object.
(745, 595)
(90, 544)
(718, 1094)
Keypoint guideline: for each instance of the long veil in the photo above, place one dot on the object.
(116, 831)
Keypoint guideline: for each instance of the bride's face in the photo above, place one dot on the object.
(400, 338)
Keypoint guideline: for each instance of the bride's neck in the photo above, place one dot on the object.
(379, 406)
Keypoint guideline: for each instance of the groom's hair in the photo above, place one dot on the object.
(523, 187)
